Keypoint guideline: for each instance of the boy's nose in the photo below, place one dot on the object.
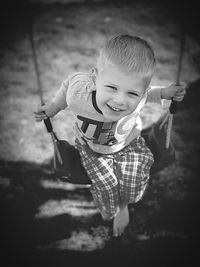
(119, 99)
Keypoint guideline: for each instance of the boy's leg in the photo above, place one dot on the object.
(106, 200)
(133, 166)
(105, 187)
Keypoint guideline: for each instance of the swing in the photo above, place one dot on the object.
(72, 171)
(67, 160)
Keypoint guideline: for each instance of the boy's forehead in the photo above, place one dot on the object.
(116, 77)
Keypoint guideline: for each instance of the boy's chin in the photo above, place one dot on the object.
(113, 117)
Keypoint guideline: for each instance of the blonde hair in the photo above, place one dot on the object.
(129, 54)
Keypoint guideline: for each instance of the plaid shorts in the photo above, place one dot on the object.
(119, 178)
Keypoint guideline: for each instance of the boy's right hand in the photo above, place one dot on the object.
(40, 113)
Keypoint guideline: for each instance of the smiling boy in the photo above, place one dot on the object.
(106, 104)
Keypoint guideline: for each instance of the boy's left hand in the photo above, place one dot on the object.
(175, 92)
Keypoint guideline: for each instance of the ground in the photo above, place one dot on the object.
(46, 222)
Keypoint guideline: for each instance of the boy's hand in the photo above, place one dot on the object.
(40, 113)
(175, 92)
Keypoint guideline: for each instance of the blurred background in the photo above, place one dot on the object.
(48, 217)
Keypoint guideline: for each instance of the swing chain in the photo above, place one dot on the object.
(47, 121)
(174, 104)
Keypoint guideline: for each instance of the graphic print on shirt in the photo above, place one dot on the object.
(125, 126)
(108, 133)
(97, 131)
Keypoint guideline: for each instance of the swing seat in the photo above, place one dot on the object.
(155, 138)
(72, 170)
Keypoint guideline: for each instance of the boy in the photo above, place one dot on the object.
(106, 104)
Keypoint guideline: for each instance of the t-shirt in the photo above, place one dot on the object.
(78, 93)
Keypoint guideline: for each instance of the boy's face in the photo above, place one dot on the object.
(118, 94)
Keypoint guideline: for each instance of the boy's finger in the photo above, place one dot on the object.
(39, 114)
(41, 117)
(180, 92)
(178, 98)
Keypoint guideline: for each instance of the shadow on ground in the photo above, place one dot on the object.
(164, 233)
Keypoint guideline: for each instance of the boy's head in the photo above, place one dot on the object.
(130, 54)
(124, 70)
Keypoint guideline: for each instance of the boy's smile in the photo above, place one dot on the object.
(115, 109)
(117, 93)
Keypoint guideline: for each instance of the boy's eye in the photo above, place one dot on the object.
(133, 94)
(111, 87)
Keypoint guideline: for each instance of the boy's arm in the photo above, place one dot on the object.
(57, 104)
(173, 91)
(154, 95)
(59, 101)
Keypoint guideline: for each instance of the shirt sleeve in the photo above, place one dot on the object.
(59, 101)
(154, 96)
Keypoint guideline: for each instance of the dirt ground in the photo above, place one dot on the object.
(46, 222)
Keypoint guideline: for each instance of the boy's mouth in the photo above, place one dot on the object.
(114, 108)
